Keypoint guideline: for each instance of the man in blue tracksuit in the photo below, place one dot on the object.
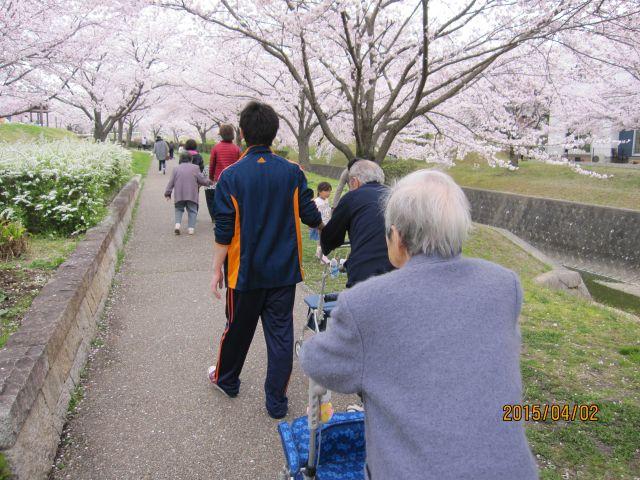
(259, 203)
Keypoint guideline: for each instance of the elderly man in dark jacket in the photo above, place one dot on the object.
(360, 214)
(433, 347)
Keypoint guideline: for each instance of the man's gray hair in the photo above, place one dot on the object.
(431, 213)
(366, 171)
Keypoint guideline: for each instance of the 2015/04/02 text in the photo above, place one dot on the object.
(554, 412)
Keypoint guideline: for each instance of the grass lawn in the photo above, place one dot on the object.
(140, 162)
(543, 180)
(574, 351)
(312, 266)
(16, 132)
(554, 181)
(21, 279)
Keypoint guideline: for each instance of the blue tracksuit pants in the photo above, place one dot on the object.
(275, 307)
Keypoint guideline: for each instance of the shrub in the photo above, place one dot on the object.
(206, 148)
(396, 169)
(61, 186)
(13, 241)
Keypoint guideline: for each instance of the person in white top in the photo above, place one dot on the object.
(324, 206)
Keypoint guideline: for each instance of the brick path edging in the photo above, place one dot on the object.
(41, 362)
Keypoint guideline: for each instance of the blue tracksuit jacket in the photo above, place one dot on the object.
(259, 203)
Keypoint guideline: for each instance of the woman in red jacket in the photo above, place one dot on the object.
(223, 154)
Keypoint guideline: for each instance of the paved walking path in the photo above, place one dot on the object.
(149, 411)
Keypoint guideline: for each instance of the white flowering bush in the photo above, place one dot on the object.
(62, 186)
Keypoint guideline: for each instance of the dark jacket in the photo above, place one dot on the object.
(360, 213)
(259, 203)
(161, 150)
(196, 159)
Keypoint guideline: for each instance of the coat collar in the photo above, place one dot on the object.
(256, 149)
(433, 258)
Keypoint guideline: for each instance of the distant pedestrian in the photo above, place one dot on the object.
(161, 151)
(185, 180)
(144, 143)
(192, 147)
(223, 154)
(172, 147)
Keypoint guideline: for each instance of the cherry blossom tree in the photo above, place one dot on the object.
(131, 122)
(121, 72)
(395, 62)
(36, 37)
(40, 39)
(255, 76)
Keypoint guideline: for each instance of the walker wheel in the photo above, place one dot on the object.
(297, 347)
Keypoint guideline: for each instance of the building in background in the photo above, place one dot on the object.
(605, 144)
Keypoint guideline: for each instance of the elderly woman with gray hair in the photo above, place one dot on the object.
(432, 347)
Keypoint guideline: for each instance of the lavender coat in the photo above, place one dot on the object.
(434, 348)
(185, 180)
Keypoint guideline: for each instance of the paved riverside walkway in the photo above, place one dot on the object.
(149, 411)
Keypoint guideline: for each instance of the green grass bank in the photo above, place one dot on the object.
(536, 179)
(20, 132)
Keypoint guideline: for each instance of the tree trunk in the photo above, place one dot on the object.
(203, 139)
(100, 130)
(120, 130)
(513, 160)
(344, 179)
(365, 147)
(129, 133)
(104, 135)
(303, 150)
(98, 134)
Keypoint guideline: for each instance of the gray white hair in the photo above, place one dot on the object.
(430, 212)
(366, 171)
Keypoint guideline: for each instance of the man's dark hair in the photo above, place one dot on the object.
(324, 187)
(226, 132)
(191, 144)
(185, 157)
(158, 138)
(259, 123)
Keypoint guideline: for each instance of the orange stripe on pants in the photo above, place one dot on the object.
(224, 334)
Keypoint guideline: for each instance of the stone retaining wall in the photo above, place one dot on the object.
(330, 171)
(604, 240)
(41, 363)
